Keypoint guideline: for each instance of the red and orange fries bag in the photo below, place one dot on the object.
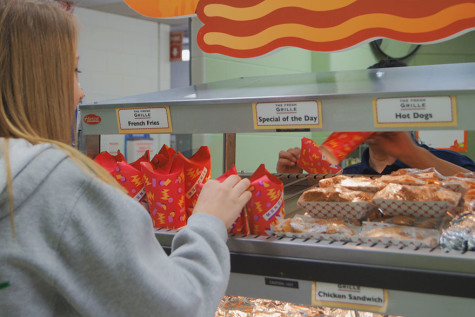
(163, 157)
(339, 145)
(197, 170)
(240, 226)
(267, 201)
(311, 159)
(126, 175)
(165, 195)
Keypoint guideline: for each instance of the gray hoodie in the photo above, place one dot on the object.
(83, 248)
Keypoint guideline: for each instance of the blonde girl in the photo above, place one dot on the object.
(71, 242)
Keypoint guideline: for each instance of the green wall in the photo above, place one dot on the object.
(253, 149)
(284, 61)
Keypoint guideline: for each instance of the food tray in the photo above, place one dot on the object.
(427, 209)
(317, 236)
(346, 210)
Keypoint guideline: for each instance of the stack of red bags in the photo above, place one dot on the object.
(127, 175)
(172, 184)
(167, 183)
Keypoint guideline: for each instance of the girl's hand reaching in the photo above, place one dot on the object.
(224, 200)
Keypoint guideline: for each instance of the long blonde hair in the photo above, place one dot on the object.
(38, 41)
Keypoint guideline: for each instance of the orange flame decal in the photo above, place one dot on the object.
(251, 28)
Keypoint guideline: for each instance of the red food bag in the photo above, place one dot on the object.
(119, 157)
(197, 170)
(107, 161)
(126, 175)
(339, 145)
(267, 202)
(239, 226)
(311, 159)
(163, 157)
(144, 158)
(165, 195)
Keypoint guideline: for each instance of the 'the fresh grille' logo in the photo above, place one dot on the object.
(413, 104)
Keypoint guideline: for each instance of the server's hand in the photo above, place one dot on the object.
(396, 144)
(287, 162)
(224, 200)
(401, 146)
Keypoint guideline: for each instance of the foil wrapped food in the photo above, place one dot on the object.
(390, 234)
(460, 233)
(418, 193)
(336, 194)
(302, 226)
(239, 306)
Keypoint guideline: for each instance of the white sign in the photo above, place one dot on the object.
(353, 295)
(286, 115)
(415, 111)
(153, 119)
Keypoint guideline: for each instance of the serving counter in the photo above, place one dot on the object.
(419, 281)
(416, 281)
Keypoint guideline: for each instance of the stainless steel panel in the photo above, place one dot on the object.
(432, 78)
(400, 303)
(347, 98)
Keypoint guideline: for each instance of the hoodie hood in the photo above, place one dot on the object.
(29, 167)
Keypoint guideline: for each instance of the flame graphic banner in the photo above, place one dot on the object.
(163, 8)
(250, 28)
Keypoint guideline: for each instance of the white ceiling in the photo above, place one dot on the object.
(121, 8)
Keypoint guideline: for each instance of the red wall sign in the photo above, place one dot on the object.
(176, 40)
